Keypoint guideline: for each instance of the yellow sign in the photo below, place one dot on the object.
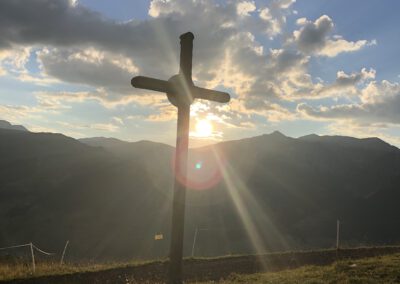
(158, 237)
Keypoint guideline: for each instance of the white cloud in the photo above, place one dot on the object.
(345, 85)
(107, 127)
(76, 126)
(301, 21)
(162, 7)
(117, 120)
(354, 129)
(244, 8)
(163, 113)
(334, 47)
(275, 15)
(343, 79)
(13, 60)
(379, 104)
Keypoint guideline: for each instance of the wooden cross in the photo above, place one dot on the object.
(181, 92)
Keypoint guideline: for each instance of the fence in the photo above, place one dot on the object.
(32, 249)
(337, 234)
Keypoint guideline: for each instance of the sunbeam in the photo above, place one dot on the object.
(248, 208)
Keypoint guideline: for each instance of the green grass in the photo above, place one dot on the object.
(381, 269)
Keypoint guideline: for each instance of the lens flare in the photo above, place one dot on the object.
(203, 170)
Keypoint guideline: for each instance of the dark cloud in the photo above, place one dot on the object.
(60, 24)
(313, 36)
(89, 67)
(53, 22)
(285, 59)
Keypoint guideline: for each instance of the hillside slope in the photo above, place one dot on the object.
(274, 191)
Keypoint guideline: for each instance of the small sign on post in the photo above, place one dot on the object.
(158, 237)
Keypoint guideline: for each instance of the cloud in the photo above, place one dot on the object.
(301, 86)
(117, 120)
(315, 37)
(379, 104)
(312, 36)
(163, 113)
(76, 45)
(112, 126)
(62, 100)
(13, 60)
(344, 80)
(82, 47)
(339, 45)
(275, 15)
(19, 114)
(90, 67)
(56, 23)
(244, 8)
(354, 129)
(107, 127)
(151, 44)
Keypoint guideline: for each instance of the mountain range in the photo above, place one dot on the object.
(109, 197)
(6, 125)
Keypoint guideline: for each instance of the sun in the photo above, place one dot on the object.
(204, 128)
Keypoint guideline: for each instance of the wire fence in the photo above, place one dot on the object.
(32, 251)
(335, 234)
(204, 241)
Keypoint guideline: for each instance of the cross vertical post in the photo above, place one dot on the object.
(178, 206)
(181, 156)
(181, 92)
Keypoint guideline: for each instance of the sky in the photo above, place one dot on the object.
(299, 67)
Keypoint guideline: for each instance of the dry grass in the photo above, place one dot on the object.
(24, 270)
(378, 269)
(381, 269)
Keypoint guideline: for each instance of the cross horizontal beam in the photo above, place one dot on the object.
(163, 86)
(148, 83)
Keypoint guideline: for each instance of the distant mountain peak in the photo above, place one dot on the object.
(100, 138)
(310, 137)
(102, 141)
(370, 142)
(277, 134)
(4, 124)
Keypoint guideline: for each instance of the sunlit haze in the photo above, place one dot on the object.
(204, 128)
